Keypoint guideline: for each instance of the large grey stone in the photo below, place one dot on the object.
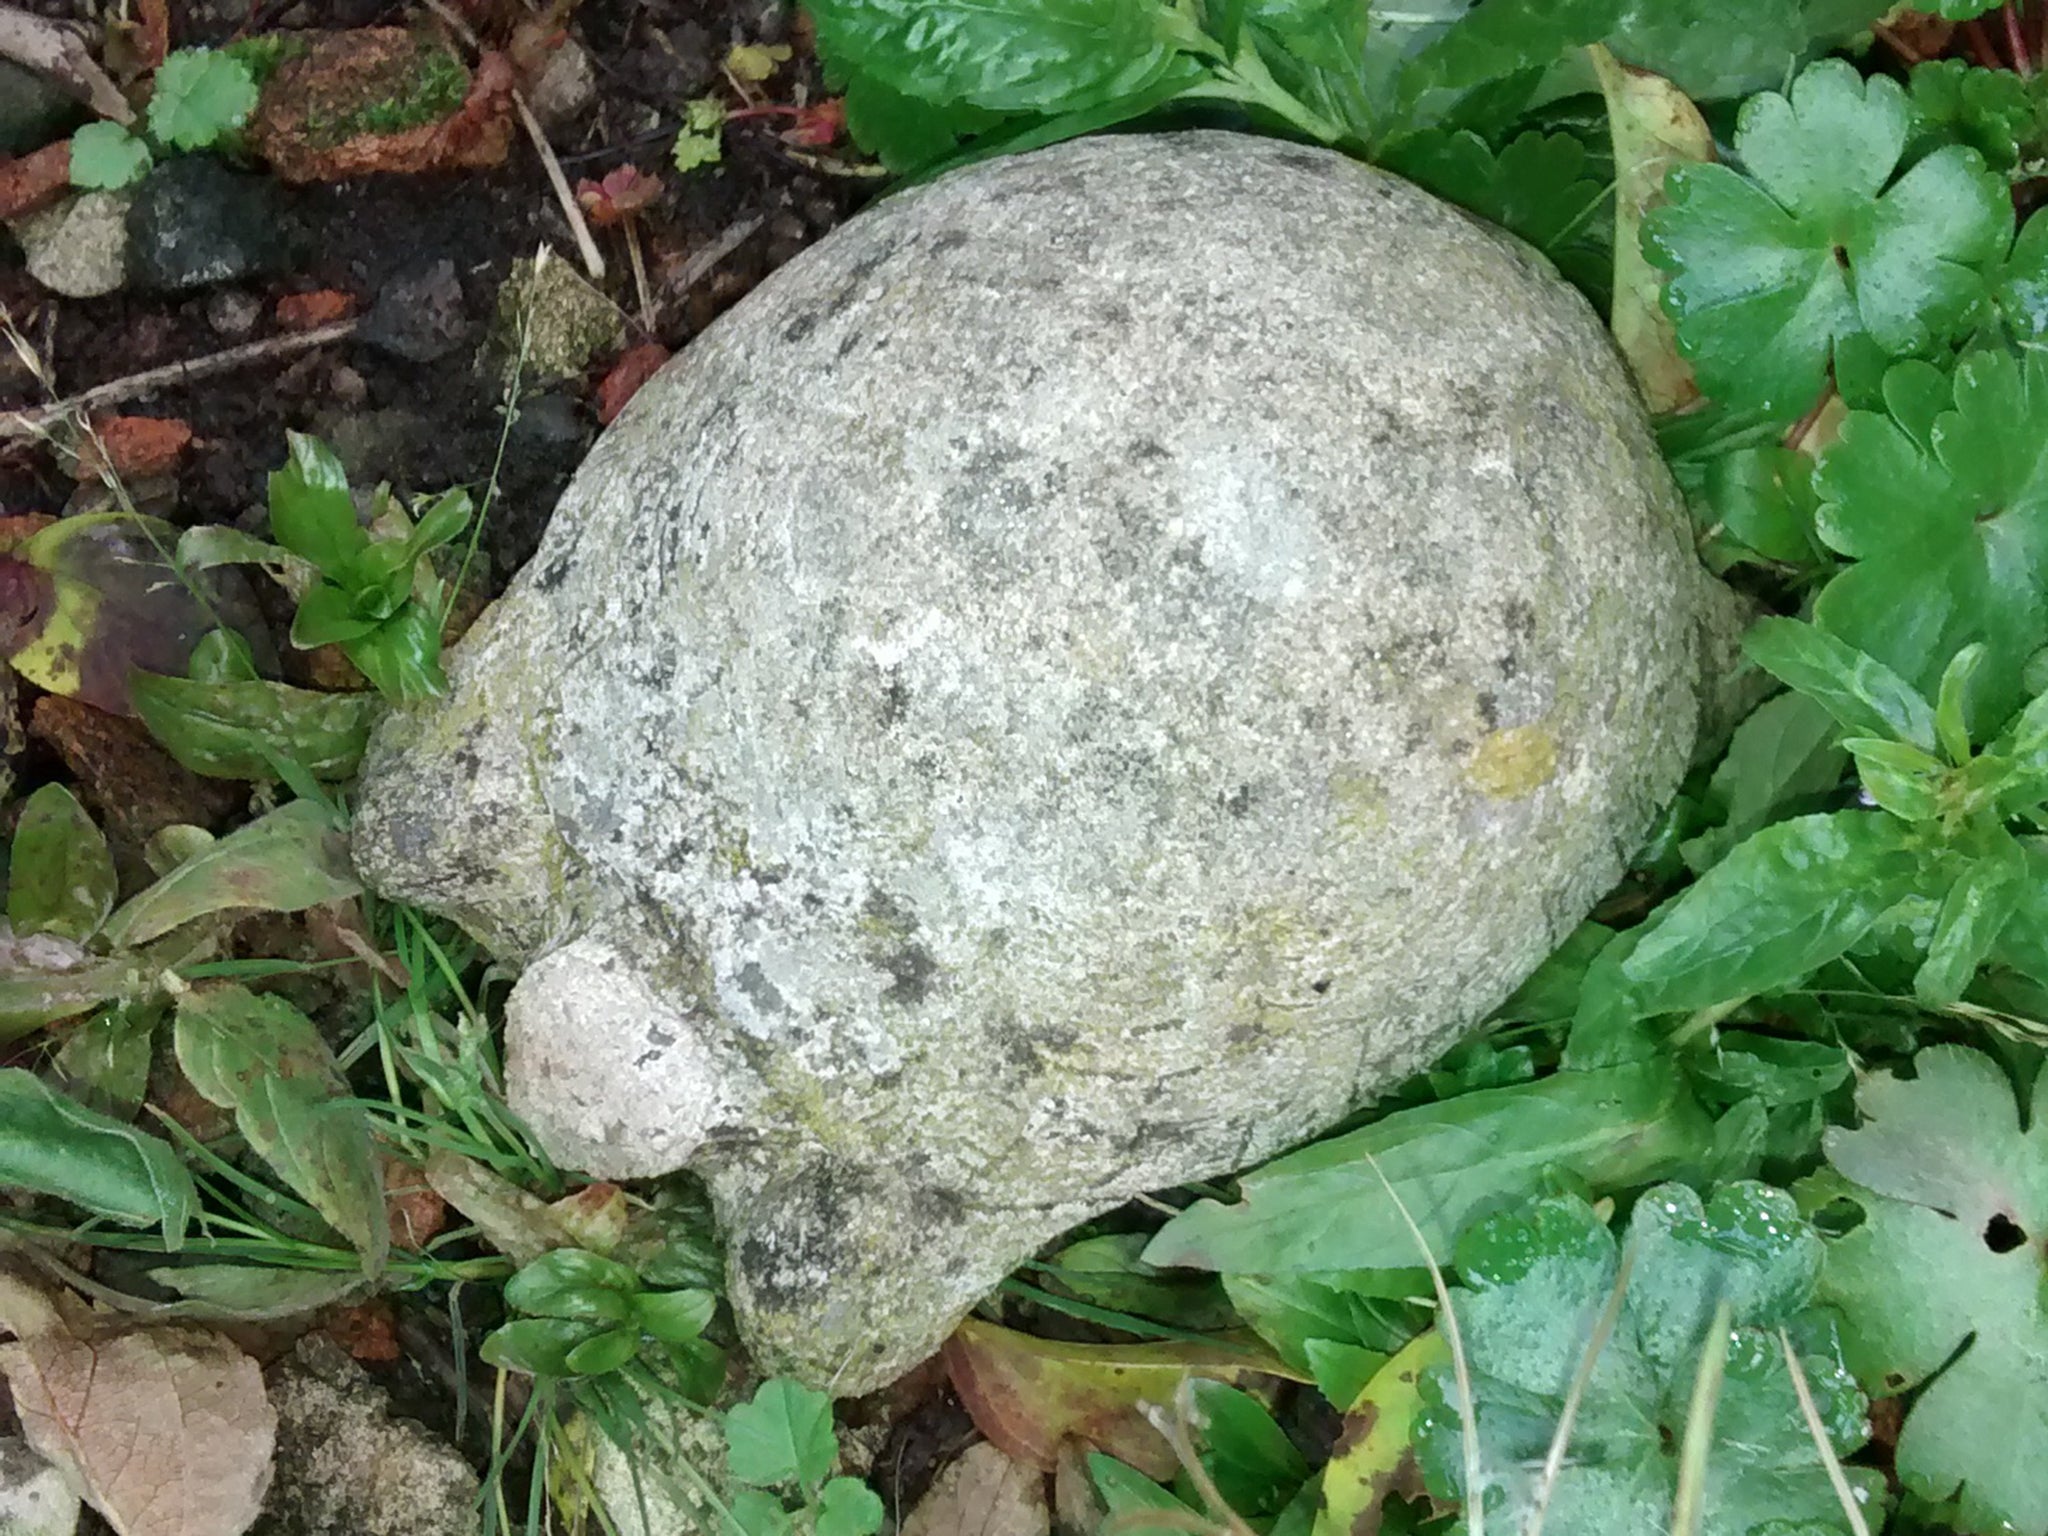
(1087, 675)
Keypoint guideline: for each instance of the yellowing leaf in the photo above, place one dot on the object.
(262, 1058)
(288, 860)
(1027, 1394)
(755, 62)
(1654, 127)
(1375, 1455)
(166, 1431)
(60, 875)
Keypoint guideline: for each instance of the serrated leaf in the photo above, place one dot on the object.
(1815, 242)
(999, 55)
(1988, 110)
(1784, 903)
(1955, 1203)
(201, 96)
(1947, 521)
(55, 1146)
(1501, 37)
(106, 156)
(1539, 186)
(1324, 1207)
(1534, 1284)
(1716, 49)
(783, 1436)
(60, 876)
(285, 861)
(260, 1057)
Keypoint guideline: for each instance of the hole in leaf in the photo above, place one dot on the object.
(2002, 1234)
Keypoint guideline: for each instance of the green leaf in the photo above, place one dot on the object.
(402, 656)
(1902, 779)
(1109, 1271)
(254, 1292)
(1125, 1489)
(1973, 914)
(1792, 898)
(262, 1058)
(1781, 759)
(329, 614)
(238, 730)
(442, 521)
(54, 1146)
(535, 1346)
(1945, 513)
(1717, 49)
(1534, 1283)
(603, 1353)
(311, 511)
(1000, 55)
(1988, 110)
(1773, 1072)
(755, 1513)
(849, 1507)
(285, 861)
(674, 1317)
(1949, 1258)
(1324, 1207)
(60, 877)
(200, 97)
(2020, 294)
(1541, 186)
(107, 156)
(572, 1283)
(44, 978)
(1949, 724)
(784, 1435)
(1255, 1466)
(1502, 37)
(1815, 242)
(1866, 696)
(105, 1061)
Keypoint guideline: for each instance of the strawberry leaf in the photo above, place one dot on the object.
(1819, 240)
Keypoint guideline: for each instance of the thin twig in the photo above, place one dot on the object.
(699, 266)
(50, 48)
(593, 259)
(647, 314)
(1603, 1329)
(18, 424)
(1698, 1441)
(2016, 40)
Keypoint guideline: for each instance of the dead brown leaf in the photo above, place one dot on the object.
(166, 1431)
(983, 1493)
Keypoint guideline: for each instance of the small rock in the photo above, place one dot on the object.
(32, 110)
(346, 1468)
(80, 247)
(565, 89)
(33, 182)
(310, 311)
(984, 1492)
(233, 314)
(133, 447)
(34, 1498)
(349, 388)
(418, 318)
(550, 323)
(374, 445)
(195, 222)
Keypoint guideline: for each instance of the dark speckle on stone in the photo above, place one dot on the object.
(895, 701)
(1489, 710)
(800, 327)
(755, 983)
(912, 969)
(949, 240)
(1147, 450)
(551, 575)
(1320, 988)
(1239, 801)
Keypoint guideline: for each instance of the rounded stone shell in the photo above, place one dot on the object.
(1084, 677)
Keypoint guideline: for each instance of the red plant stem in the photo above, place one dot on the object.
(2021, 59)
(1980, 44)
(769, 109)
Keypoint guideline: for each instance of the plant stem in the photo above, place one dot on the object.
(2016, 39)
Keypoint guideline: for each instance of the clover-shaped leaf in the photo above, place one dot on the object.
(1943, 505)
(1536, 1282)
(783, 1436)
(1818, 243)
(1955, 1205)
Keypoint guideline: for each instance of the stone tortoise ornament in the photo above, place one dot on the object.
(1081, 680)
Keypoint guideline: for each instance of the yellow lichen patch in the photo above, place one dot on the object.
(1513, 763)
